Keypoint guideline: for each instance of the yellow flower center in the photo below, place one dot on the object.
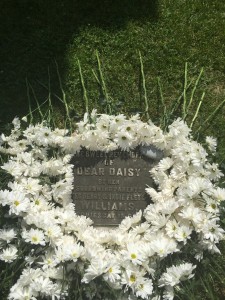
(132, 278)
(34, 239)
(37, 202)
(16, 202)
(133, 255)
(213, 205)
(110, 270)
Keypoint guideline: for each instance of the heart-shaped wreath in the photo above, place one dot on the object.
(148, 254)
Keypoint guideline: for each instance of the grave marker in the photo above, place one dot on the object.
(111, 186)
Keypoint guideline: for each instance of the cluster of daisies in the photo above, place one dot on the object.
(131, 258)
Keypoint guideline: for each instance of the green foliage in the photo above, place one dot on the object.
(209, 281)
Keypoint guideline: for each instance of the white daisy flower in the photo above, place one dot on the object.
(175, 274)
(133, 254)
(21, 293)
(211, 143)
(171, 228)
(183, 233)
(9, 254)
(96, 268)
(144, 288)
(163, 245)
(113, 273)
(124, 140)
(34, 236)
(219, 194)
(18, 203)
(7, 235)
(43, 285)
(74, 251)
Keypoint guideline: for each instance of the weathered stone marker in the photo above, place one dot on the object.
(110, 186)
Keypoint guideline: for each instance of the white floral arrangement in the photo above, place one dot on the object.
(143, 257)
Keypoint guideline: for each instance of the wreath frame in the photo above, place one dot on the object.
(132, 258)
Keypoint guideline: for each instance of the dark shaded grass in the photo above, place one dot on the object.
(36, 33)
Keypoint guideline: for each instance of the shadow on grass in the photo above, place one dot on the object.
(36, 33)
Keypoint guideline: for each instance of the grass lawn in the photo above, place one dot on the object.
(38, 36)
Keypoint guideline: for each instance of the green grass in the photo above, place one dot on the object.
(35, 34)
(185, 31)
(38, 35)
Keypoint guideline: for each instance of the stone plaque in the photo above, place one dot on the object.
(110, 186)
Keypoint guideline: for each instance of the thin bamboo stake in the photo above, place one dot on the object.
(144, 87)
(197, 110)
(211, 116)
(85, 98)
